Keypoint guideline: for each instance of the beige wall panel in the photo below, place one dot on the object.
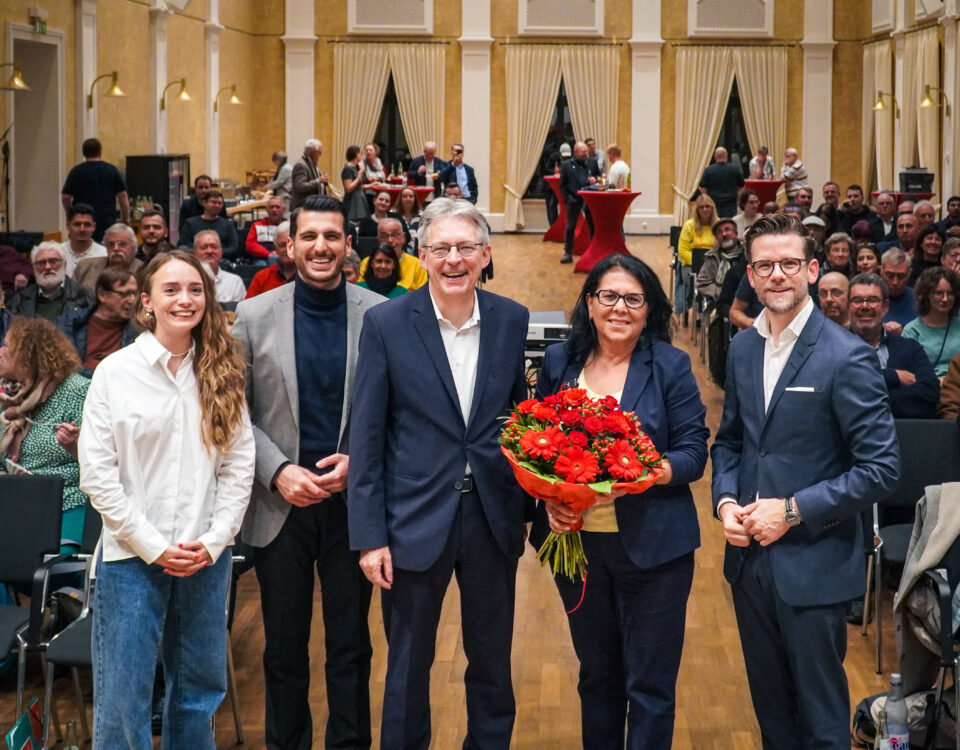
(794, 101)
(323, 107)
(498, 126)
(330, 18)
(186, 121)
(847, 113)
(451, 102)
(668, 107)
(503, 20)
(252, 16)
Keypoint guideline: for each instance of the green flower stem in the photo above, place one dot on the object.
(565, 554)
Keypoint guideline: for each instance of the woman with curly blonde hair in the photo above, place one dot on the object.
(41, 401)
(166, 455)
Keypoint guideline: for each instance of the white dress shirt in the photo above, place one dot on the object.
(775, 356)
(144, 464)
(96, 250)
(230, 287)
(618, 174)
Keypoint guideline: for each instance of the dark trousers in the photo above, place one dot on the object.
(315, 536)
(551, 200)
(411, 614)
(628, 635)
(794, 659)
(573, 216)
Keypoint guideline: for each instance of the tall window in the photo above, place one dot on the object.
(389, 136)
(561, 131)
(733, 133)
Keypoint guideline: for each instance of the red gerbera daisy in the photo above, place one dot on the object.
(544, 444)
(577, 466)
(621, 461)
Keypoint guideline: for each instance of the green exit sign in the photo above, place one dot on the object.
(40, 26)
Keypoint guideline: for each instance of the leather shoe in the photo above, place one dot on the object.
(567, 258)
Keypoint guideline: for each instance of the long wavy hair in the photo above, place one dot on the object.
(218, 366)
(41, 350)
(583, 343)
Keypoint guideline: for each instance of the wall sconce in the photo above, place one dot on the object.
(928, 102)
(16, 82)
(233, 96)
(182, 95)
(881, 107)
(113, 91)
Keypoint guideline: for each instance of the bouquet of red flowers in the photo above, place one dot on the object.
(569, 449)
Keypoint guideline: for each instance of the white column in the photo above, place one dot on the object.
(818, 47)
(86, 11)
(299, 42)
(158, 75)
(212, 36)
(475, 54)
(951, 86)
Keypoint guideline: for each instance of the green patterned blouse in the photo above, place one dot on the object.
(42, 454)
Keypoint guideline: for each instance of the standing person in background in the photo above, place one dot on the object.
(575, 175)
(166, 456)
(618, 173)
(794, 174)
(352, 176)
(282, 183)
(456, 172)
(552, 167)
(723, 182)
(99, 184)
(307, 179)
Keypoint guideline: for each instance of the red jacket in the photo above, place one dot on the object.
(267, 279)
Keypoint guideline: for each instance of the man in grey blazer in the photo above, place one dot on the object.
(301, 342)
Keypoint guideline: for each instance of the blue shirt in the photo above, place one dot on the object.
(903, 309)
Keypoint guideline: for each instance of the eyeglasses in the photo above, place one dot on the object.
(832, 293)
(391, 235)
(945, 294)
(52, 262)
(457, 152)
(788, 266)
(124, 295)
(863, 301)
(609, 298)
(442, 249)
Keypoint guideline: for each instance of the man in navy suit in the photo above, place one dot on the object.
(458, 173)
(426, 168)
(805, 443)
(430, 493)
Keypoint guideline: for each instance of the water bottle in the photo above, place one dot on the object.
(70, 737)
(898, 731)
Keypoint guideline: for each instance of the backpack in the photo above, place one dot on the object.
(930, 729)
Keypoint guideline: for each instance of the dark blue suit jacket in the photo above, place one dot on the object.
(916, 401)
(661, 524)
(449, 175)
(409, 445)
(415, 178)
(827, 438)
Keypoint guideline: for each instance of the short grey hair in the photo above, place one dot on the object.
(353, 259)
(121, 228)
(282, 228)
(836, 238)
(48, 245)
(793, 151)
(923, 204)
(894, 257)
(312, 144)
(872, 279)
(441, 208)
(203, 232)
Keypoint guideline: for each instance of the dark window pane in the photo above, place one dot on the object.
(561, 131)
(733, 133)
(389, 136)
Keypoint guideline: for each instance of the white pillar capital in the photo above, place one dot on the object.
(86, 44)
(646, 48)
(817, 117)
(475, 55)
(299, 64)
(158, 74)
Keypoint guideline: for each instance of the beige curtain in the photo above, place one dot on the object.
(762, 80)
(704, 78)
(360, 74)
(418, 74)
(884, 119)
(591, 75)
(911, 99)
(533, 79)
(867, 126)
(928, 118)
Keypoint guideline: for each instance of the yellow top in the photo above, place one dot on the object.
(690, 238)
(601, 517)
(412, 274)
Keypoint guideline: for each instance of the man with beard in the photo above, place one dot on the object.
(575, 175)
(300, 396)
(121, 243)
(806, 442)
(908, 228)
(726, 251)
(54, 293)
(856, 211)
(832, 291)
(950, 224)
(107, 326)
(831, 195)
(912, 384)
(153, 235)
(804, 199)
(80, 243)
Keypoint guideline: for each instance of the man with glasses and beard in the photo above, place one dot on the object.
(54, 293)
(805, 443)
(121, 243)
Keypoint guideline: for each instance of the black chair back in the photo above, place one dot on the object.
(929, 454)
(675, 236)
(92, 527)
(31, 510)
(697, 256)
(951, 561)
(365, 246)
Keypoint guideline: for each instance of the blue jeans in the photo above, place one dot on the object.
(139, 610)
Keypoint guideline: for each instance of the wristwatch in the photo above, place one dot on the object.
(790, 515)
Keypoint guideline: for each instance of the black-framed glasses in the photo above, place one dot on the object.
(442, 249)
(123, 295)
(457, 151)
(609, 298)
(789, 266)
(862, 301)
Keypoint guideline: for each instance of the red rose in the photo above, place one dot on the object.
(544, 444)
(543, 412)
(578, 439)
(616, 423)
(610, 402)
(593, 425)
(570, 418)
(573, 396)
(552, 400)
(525, 407)
(577, 466)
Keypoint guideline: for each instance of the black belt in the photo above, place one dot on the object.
(464, 485)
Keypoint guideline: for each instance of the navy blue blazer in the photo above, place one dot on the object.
(409, 443)
(449, 176)
(827, 438)
(415, 178)
(660, 524)
(916, 401)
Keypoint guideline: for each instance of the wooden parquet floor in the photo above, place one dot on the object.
(714, 709)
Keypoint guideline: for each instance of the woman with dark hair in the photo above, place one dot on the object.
(383, 273)
(352, 177)
(408, 206)
(627, 616)
(167, 459)
(749, 203)
(41, 403)
(927, 253)
(868, 259)
(937, 293)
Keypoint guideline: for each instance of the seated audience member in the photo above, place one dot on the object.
(856, 211)
(749, 203)
(831, 195)
(831, 219)
(770, 208)
(409, 209)
(412, 274)
(461, 174)
(5, 316)
(815, 230)
(352, 176)
(383, 273)
(906, 205)
(121, 243)
(937, 328)
(950, 257)
(259, 244)
(452, 191)
(895, 270)
(54, 293)
(618, 172)
(804, 199)
(928, 250)
(193, 204)
(761, 166)
(351, 267)
(107, 325)
(861, 234)
(886, 208)
(367, 226)
(80, 244)
(282, 182)
(283, 271)
(925, 212)
(229, 286)
(907, 230)
(746, 306)
(153, 235)
(950, 224)
(696, 231)
(41, 407)
(15, 270)
(837, 250)
(911, 382)
(867, 260)
(211, 221)
(718, 259)
(832, 290)
(949, 407)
